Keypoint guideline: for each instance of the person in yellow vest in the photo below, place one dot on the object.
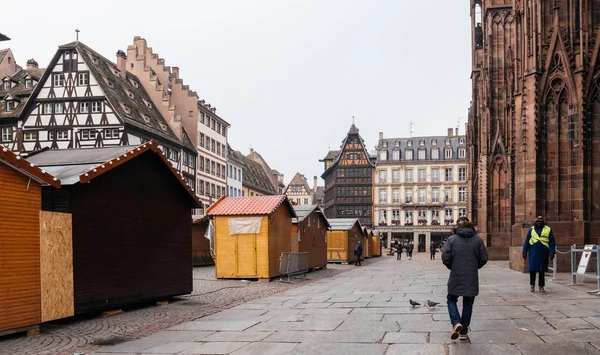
(541, 246)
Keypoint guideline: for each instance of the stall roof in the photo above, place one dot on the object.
(342, 224)
(74, 166)
(28, 168)
(303, 211)
(249, 206)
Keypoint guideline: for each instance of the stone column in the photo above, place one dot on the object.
(415, 242)
(427, 241)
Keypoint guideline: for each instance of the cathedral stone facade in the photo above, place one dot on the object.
(534, 122)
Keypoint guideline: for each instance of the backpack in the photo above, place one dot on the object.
(357, 248)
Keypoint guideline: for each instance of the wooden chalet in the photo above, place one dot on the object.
(201, 250)
(309, 234)
(29, 279)
(341, 239)
(375, 244)
(367, 244)
(349, 180)
(84, 100)
(251, 232)
(132, 223)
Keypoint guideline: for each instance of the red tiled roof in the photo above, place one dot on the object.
(249, 205)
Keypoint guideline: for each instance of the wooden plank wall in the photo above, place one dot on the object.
(201, 254)
(376, 246)
(132, 236)
(354, 235)
(280, 227)
(56, 258)
(20, 204)
(313, 232)
(337, 246)
(294, 242)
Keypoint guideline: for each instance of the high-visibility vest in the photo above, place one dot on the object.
(544, 238)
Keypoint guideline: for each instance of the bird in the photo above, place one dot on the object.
(413, 303)
(431, 303)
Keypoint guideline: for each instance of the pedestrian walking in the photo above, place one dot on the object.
(411, 248)
(398, 251)
(432, 251)
(541, 246)
(358, 249)
(406, 246)
(464, 254)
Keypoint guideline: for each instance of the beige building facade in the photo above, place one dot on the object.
(420, 188)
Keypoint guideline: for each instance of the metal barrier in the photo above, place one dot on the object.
(291, 264)
(574, 266)
(554, 267)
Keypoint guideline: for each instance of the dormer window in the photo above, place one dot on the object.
(462, 153)
(384, 144)
(110, 84)
(148, 104)
(6, 84)
(134, 83)
(146, 118)
(28, 83)
(127, 110)
(434, 142)
(10, 105)
(383, 155)
(115, 72)
(461, 141)
(447, 141)
(422, 142)
(95, 60)
(130, 94)
(448, 153)
(163, 126)
(409, 143)
(397, 144)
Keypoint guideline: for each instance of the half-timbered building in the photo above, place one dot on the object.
(84, 100)
(298, 191)
(349, 180)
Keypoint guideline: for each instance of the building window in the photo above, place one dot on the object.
(434, 142)
(447, 141)
(59, 107)
(58, 79)
(62, 135)
(462, 194)
(422, 175)
(6, 134)
(448, 195)
(219, 148)
(409, 143)
(409, 196)
(395, 176)
(435, 215)
(146, 118)
(462, 174)
(96, 107)
(84, 107)
(382, 176)
(449, 214)
(395, 195)
(462, 153)
(435, 175)
(383, 155)
(382, 217)
(408, 175)
(435, 153)
(201, 139)
(82, 79)
(435, 195)
(422, 195)
(201, 116)
(382, 195)
(200, 163)
(6, 85)
(448, 174)
(212, 168)
(306, 201)
(408, 154)
(28, 84)
(421, 154)
(30, 136)
(47, 109)
(408, 217)
(10, 105)
(462, 212)
(130, 94)
(396, 155)
(448, 153)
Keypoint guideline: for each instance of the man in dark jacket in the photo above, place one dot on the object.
(358, 249)
(541, 246)
(398, 248)
(464, 254)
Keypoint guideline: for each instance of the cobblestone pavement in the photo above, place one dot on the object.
(85, 334)
(366, 310)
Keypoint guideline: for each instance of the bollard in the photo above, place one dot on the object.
(573, 266)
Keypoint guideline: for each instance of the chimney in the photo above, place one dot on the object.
(456, 132)
(32, 64)
(380, 135)
(449, 132)
(175, 72)
(315, 185)
(251, 150)
(122, 63)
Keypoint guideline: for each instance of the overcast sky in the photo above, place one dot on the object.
(287, 75)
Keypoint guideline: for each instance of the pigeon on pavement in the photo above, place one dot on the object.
(432, 304)
(413, 303)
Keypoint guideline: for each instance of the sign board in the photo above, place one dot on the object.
(585, 258)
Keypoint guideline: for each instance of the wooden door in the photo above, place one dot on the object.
(246, 255)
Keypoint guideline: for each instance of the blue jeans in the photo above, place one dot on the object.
(455, 317)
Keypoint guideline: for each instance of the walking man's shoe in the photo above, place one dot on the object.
(464, 336)
(542, 289)
(532, 288)
(456, 331)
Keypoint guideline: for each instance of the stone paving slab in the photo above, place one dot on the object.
(261, 348)
(416, 349)
(558, 349)
(480, 349)
(247, 336)
(214, 348)
(338, 336)
(339, 348)
(405, 338)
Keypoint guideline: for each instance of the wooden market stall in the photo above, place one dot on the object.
(132, 223)
(201, 250)
(341, 239)
(375, 244)
(251, 232)
(367, 244)
(309, 234)
(26, 293)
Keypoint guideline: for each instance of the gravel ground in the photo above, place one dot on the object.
(85, 334)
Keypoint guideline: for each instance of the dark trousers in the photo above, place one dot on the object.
(398, 255)
(432, 256)
(357, 262)
(532, 278)
(455, 316)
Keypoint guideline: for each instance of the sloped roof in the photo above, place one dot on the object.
(331, 155)
(19, 92)
(319, 194)
(343, 224)
(85, 164)
(401, 144)
(305, 210)
(28, 168)
(2, 51)
(300, 179)
(105, 70)
(353, 131)
(253, 174)
(249, 206)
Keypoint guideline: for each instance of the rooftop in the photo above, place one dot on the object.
(249, 206)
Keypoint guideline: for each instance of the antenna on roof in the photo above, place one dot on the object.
(77, 34)
(458, 124)
(352, 119)
(410, 129)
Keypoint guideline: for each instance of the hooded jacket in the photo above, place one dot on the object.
(464, 254)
